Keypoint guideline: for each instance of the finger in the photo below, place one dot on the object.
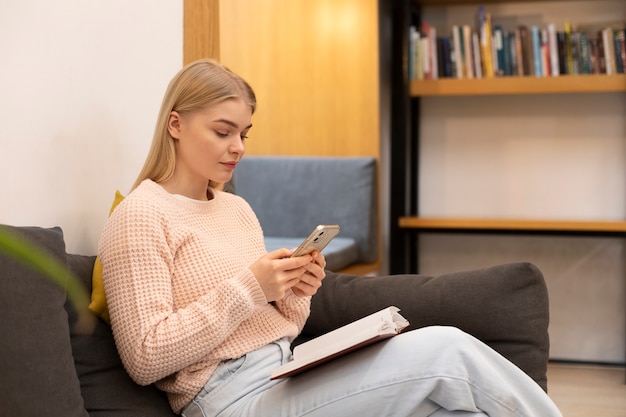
(319, 259)
(280, 253)
(315, 270)
(303, 289)
(294, 263)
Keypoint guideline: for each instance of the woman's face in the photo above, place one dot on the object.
(209, 144)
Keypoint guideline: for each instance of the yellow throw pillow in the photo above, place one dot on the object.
(98, 305)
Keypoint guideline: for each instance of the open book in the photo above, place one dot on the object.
(373, 328)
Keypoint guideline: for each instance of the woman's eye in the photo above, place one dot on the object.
(222, 134)
(243, 137)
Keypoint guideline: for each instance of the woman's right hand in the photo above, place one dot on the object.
(276, 272)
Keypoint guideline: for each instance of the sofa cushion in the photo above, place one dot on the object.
(505, 306)
(107, 389)
(340, 252)
(37, 376)
(312, 191)
(98, 303)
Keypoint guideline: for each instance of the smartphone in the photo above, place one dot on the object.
(318, 239)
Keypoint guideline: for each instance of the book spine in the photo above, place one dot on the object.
(485, 42)
(527, 50)
(585, 55)
(518, 52)
(498, 37)
(458, 55)
(619, 63)
(512, 52)
(593, 56)
(609, 51)
(467, 48)
(507, 64)
(424, 62)
(622, 47)
(536, 51)
(575, 46)
(476, 55)
(545, 53)
(434, 56)
(554, 50)
(413, 35)
(568, 48)
(562, 48)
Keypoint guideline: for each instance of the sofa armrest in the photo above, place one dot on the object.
(505, 306)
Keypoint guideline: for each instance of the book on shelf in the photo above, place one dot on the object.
(491, 50)
(376, 327)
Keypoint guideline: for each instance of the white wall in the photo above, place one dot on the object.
(80, 86)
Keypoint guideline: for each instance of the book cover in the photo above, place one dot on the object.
(379, 326)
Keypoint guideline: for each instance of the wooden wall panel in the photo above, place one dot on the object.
(201, 30)
(314, 68)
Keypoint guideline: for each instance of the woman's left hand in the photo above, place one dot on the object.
(311, 280)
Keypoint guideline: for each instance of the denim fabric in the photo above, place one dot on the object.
(430, 371)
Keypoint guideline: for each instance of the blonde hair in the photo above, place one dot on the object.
(198, 85)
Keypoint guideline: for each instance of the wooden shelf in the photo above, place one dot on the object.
(592, 83)
(430, 223)
(477, 2)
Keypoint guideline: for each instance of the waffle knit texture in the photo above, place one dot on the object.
(180, 292)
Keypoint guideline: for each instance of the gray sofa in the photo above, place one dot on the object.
(47, 368)
(349, 184)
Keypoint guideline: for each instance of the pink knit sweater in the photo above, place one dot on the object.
(180, 292)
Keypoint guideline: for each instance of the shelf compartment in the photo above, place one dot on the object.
(498, 225)
(592, 83)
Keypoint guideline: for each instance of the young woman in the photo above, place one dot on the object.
(200, 308)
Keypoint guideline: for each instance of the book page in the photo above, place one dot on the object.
(378, 326)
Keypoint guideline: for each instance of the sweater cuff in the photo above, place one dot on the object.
(251, 286)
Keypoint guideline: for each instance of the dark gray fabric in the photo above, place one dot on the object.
(505, 306)
(107, 389)
(291, 195)
(37, 375)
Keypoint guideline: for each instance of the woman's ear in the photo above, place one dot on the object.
(173, 125)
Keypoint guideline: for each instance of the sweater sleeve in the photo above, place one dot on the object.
(295, 309)
(153, 338)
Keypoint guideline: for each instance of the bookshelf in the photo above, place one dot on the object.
(405, 220)
(591, 83)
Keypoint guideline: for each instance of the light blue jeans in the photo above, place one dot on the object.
(434, 371)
